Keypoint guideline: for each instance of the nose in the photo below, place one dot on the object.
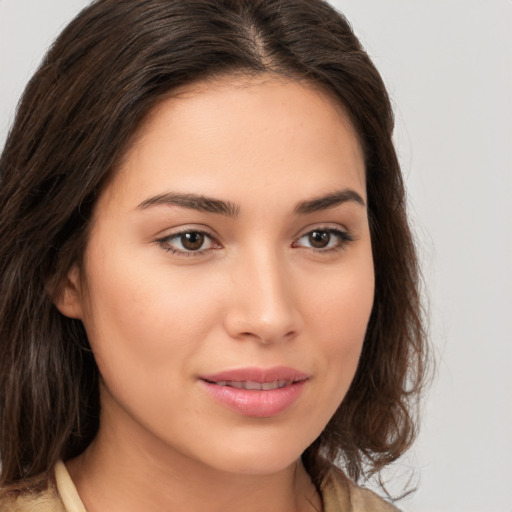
(263, 303)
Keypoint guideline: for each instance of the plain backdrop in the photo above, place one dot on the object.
(448, 68)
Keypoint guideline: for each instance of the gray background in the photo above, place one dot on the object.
(448, 67)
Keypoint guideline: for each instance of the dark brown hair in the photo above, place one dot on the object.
(102, 76)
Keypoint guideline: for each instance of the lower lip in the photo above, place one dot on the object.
(256, 403)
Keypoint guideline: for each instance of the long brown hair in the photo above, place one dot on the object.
(102, 76)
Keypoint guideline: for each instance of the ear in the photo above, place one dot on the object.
(68, 298)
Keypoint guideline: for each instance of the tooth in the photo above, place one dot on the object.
(235, 384)
(249, 384)
(253, 385)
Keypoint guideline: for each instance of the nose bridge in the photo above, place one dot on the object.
(264, 304)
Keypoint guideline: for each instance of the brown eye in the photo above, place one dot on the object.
(192, 241)
(319, 239)
(188, 243)
(324, 240)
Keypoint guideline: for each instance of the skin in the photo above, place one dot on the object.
(256, 293)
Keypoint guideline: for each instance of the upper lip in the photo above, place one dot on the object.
(255, 374)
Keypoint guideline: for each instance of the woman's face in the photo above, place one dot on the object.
(228, 278)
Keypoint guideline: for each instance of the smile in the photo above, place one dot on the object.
(256, 392)
(253, 385)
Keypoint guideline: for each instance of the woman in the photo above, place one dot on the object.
(209, 286)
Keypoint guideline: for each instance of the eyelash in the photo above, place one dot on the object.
(164, 242)
(344, 238)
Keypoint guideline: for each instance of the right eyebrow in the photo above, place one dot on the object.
(192, 201)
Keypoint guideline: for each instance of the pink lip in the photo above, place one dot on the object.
(258, 403)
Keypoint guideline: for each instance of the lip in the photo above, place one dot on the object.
(257, 403)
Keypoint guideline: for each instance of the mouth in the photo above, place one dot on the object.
(253, 385)
(256, 392)
(254, 377)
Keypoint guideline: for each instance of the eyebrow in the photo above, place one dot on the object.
(212, 205)
(329, 201)
(192, 201)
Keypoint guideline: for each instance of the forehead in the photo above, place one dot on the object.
(220, 136)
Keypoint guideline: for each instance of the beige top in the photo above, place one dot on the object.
(339, 494)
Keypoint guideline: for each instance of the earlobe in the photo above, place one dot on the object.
(68, 299)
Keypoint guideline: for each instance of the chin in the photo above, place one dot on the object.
(256, 455)
(262, 463)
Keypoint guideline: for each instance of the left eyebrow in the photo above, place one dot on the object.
(328, 201)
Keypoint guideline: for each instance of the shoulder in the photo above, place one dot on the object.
(54, 493)
(44, 501)
(37, 494)
(339, 493)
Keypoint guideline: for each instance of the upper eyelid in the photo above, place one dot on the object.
(162, 241)
(331, 227)
(345, 238)
(342, 233)
(327, 226)
(210, 232)
(173, 232)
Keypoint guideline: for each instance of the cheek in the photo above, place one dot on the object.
(343, 297)
(143, 319)
(336, 313)
(340, 315)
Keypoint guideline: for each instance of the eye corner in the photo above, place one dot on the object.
(328, 239)
(188, 242)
